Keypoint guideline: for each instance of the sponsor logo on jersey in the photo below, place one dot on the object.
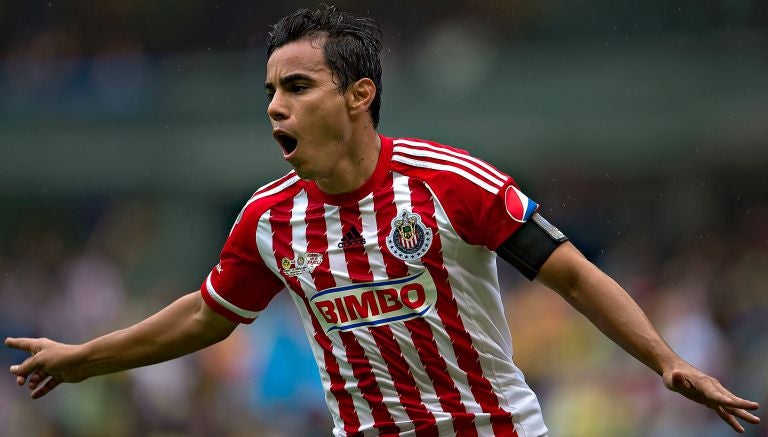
(374, 303)
(352, 238)
(410, 239)
(518, 205)
(304, 262)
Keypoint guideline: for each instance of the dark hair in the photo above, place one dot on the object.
(351, 48)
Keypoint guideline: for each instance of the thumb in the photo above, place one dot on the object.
(677, 381)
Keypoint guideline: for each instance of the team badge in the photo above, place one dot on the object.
(518, 205)
(305, 262)
(409, 239)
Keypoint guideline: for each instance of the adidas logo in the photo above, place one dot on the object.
(352, 238)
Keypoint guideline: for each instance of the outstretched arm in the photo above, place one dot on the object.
(183, 327)
(616, 314)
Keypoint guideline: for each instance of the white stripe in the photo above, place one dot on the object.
(278, 188)
(477, 161)
(477, 296)
(338, 265)
(292, 172)
(239, 311)
(370, 233)
(426, 153)
(319, 354)
(299, 244)
(423, 164)
(378, 269)
(402, 200)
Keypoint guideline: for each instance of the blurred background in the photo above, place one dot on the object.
(132, 132)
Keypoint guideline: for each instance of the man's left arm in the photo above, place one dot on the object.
(608, 306)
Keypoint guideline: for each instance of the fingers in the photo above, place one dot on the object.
(729, 419)
(39, 382)
(30, 371)
(745, 415)
(731, 400)
(36, 379)
(706, 390)
(729, 407)
(25, 344)
(45, 387)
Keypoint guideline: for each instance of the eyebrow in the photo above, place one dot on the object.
(289, 78)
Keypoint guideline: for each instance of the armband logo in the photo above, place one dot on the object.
(518, 205)
(410, 239)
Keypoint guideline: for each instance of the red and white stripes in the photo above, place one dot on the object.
(421, 377)
(426, 155)
(445, 370)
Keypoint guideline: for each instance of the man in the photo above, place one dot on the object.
(387, 246)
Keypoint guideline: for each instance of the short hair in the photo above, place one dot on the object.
(351, 49)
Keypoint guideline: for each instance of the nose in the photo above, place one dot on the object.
(276, 109)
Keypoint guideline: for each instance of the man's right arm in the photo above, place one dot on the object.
(183, 327)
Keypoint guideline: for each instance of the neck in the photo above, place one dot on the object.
(356, 166)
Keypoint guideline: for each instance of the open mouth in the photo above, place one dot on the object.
(286, 141)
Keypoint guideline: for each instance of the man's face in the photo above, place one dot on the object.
(309, 115)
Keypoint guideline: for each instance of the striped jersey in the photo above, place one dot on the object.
(397, 288)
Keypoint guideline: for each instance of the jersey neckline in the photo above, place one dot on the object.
(382, 167)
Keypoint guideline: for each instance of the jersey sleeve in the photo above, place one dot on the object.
(240, 286)
(489, 218)
(485, 206)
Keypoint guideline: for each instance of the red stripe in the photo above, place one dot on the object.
(384, 205)
(282, 238)
(467, 357)
(359, 270)
(358, 267)
(410, 396)
(421, 334)
(405, 384)
(463, 167)
(465, 162)
(463, 155)
(437, 370)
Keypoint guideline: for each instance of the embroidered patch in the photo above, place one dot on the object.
(409, 239)
(305, 262)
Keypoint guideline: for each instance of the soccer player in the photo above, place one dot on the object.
(387, 246)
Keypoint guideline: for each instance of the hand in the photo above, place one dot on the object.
(49, 358)
(706, 390)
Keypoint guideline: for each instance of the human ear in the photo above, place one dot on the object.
(359, 95)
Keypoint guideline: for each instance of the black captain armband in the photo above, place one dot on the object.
(532, 244)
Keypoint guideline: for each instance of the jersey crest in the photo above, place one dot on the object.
(409, 239)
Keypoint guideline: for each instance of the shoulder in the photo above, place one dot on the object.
(439, 163)
(270, 195)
